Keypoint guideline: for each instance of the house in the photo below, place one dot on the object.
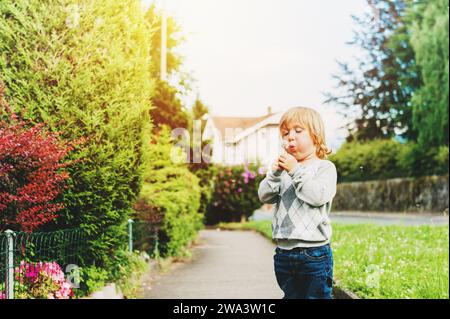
(240, 140)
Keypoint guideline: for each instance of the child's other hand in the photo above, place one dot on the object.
(287, 162)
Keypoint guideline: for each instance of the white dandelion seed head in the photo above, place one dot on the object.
(73, 16)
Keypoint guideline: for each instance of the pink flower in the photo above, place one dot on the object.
(29, 273)
(248, 175)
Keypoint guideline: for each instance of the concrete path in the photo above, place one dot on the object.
(224, 265)
(389, 218)
(372, 217)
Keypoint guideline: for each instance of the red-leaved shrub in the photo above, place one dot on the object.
(31, 175)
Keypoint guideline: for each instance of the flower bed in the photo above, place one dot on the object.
(41, 280)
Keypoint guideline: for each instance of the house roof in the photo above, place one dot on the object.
(224, 122)
(244, 123)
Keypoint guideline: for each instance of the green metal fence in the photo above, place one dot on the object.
(24, 255)
(143, 236)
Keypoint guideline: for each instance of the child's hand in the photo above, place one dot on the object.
(275, 167)
(287, 162)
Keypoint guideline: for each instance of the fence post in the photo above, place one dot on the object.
(9, 262)
(130, 235)
(156, 249)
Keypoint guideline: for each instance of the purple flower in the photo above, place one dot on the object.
(248, 175)
(261, 170)
(245, 177)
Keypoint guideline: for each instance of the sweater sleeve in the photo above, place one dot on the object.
(269, 188)
(315, 190)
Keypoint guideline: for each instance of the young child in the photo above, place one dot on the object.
(302, 184)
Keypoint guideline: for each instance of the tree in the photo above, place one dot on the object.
(169, 109)
(377, 91)
(199, 109)
(430, 40)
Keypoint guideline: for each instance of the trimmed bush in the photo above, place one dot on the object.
(384, 159)
(206, 173)
(170, 195)
(84, 68)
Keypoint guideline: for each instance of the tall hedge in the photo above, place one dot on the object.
(170, 196)
(83, 66)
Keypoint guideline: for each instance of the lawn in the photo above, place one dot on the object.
(385, 261)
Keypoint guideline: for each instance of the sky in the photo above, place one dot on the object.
(246, 55)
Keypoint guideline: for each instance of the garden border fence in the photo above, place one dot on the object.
(22, 255)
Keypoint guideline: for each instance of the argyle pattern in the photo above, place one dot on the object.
(294, 218)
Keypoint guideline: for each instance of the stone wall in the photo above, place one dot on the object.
(422, 194)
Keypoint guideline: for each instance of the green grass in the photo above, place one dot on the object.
(385, 261)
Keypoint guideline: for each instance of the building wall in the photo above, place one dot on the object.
(263, 144)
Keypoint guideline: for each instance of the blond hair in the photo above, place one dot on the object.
(311, 120)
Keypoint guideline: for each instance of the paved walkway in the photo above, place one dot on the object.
(224, 265)
(389, 218)
(373, 217)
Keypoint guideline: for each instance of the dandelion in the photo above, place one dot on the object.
(73, 16)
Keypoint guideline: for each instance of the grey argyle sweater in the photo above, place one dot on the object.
(303, 199)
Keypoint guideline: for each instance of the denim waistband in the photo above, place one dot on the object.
(305, 248)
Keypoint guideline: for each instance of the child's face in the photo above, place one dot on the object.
(297, 141)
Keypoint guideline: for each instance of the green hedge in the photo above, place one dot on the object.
(84, 68)
(170, 197)
(205, 173)
(384, 159)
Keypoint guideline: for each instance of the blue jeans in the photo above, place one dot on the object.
(305, 273)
